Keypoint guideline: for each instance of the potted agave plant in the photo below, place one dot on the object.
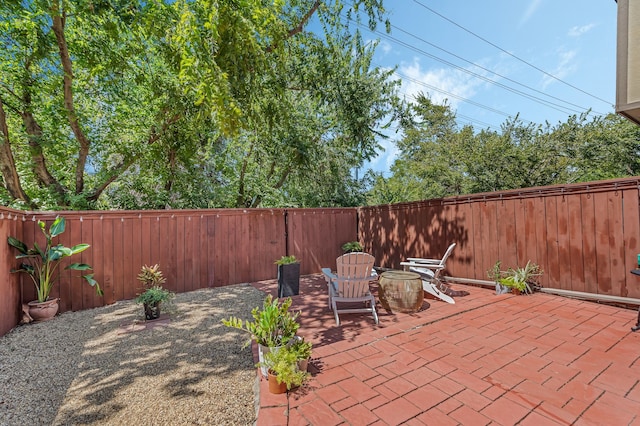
(154, 294)
(41, 264)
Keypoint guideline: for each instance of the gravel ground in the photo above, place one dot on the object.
(89, 367)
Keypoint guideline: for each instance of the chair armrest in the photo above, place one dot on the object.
(421, 260)
(422, 265)
(330, 275)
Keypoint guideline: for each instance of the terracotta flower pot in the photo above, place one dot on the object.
(43, 311)
(274, 386)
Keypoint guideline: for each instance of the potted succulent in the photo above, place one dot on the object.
(283, 371)
(517, 280)
(41, 264)
(272, 326)
(351, 247)
(288, 276)
(154, 294)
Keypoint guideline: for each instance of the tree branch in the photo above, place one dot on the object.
(298, 28)
(58, 29)
(124, 165)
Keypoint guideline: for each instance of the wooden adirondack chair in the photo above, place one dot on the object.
(350, 284)
(429, 270)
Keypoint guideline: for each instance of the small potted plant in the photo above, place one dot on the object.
(272, 326)
(496, 274)
(154, 294)
(288, 276)
(352, 247)
(41, 264)
(520, 280)
(283, 371)
(302, 349)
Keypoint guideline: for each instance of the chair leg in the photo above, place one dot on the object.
(334, 307)
(373, 311)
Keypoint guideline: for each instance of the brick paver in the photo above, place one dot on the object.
(503, 360)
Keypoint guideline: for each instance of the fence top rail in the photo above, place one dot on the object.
(534, 192)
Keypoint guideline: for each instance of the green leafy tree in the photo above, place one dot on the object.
(182, 104)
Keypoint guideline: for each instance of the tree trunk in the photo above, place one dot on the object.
(67, 81)
(7, 162)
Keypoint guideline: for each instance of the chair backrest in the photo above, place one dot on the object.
(354, 273)
(447, 254)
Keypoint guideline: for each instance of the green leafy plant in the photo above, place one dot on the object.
(286, 260)
(495, 273)
(352, 246)
(151, 276)
(300, 347)
(272, 326)
(283, 362)
(41, 263)
(154, 295)
(523, 279)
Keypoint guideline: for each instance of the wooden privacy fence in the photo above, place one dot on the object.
(584, 236)
(195, 249)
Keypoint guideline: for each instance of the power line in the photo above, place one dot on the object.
(492, 72)
(541, 101)
(511, 54)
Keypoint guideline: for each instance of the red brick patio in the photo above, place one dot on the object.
(501, 360)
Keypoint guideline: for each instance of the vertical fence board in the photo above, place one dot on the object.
(616, 243)
(222, 246)
(476, 235)
(564, 243)
(631, 231)
(102, 234)
(211, 251)
(118, 259)
(191, 243)
(551, 228)
(589, 243)
(180, 252)
(506, 232)
(602, 226)
(132, 256)
(71, 282)
(576, 247)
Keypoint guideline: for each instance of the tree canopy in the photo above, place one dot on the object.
(187, 103)
(439, 159)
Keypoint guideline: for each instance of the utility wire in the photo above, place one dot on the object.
(549, 104)
(490, 71)
(511, 54)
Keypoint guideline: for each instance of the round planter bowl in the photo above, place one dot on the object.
(43, 311)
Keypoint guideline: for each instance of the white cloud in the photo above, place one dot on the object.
(578, 31)
(438, 83)
(533, 6)
(385, 47)
(565, 67)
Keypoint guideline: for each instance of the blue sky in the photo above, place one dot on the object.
(542, 59)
